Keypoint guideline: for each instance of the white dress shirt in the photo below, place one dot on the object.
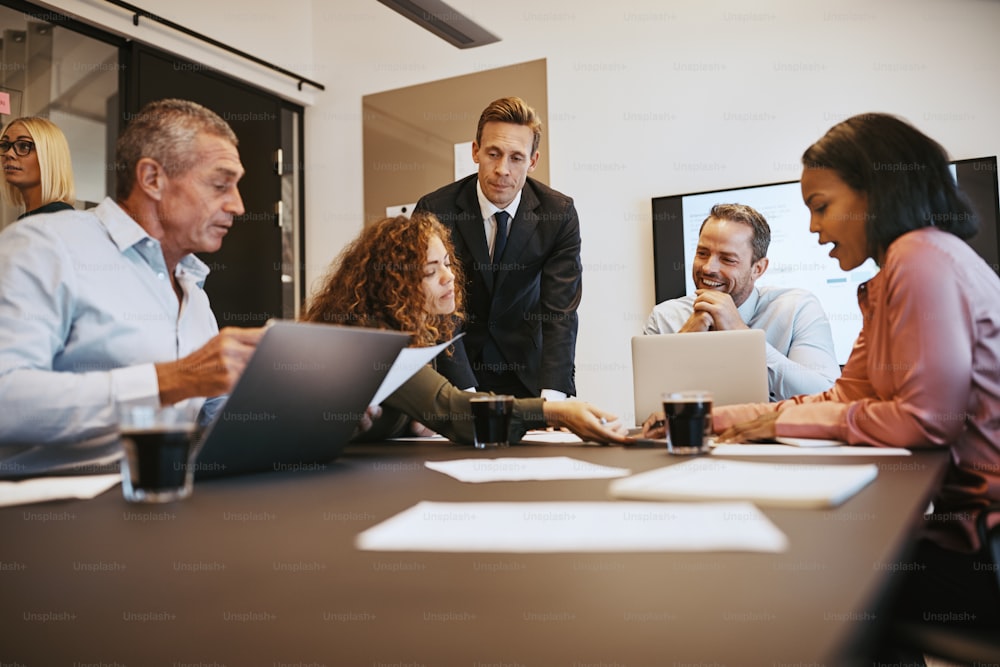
(86, 309)
(489, 210)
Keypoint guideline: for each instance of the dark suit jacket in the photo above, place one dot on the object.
(529, 305)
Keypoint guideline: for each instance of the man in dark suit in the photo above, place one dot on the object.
(518, 242)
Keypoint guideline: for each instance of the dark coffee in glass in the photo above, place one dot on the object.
(158, 444)
(491, 420)
(689, 421)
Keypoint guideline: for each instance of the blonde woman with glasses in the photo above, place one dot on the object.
(38, 174)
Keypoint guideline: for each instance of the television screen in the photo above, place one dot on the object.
(796, 259)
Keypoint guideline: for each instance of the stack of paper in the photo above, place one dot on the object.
(793, 450)
(769, 484)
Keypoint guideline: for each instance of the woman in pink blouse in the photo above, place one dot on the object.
(925, 369)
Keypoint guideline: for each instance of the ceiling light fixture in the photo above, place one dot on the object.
(444, 21)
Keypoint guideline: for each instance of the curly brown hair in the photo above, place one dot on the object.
(376, 281)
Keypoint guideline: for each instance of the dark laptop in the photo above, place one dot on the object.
(299, 398)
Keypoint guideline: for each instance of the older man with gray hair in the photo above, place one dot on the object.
(106, 307)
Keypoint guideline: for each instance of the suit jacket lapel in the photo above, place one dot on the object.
(470, 226)
(521, 230)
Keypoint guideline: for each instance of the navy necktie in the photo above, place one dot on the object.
(500, 240)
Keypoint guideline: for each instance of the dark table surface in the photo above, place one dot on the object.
(262, 570)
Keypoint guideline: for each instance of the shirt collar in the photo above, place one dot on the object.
(123, 230)
(488, 208)
(749, 307)
(126, 233)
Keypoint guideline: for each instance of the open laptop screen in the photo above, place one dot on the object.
(299, 398)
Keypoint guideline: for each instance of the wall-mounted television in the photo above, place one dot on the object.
(796, 259)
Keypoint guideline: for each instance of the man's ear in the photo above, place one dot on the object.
(150, 178)
(759, 267)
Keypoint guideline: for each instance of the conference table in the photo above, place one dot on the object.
(263, 570)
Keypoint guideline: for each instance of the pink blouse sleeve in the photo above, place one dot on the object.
(824, 416)
(725, 416)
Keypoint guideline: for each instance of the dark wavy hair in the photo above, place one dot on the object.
(376, 281)
(903, 172)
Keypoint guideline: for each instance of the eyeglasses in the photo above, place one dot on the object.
(21, 147)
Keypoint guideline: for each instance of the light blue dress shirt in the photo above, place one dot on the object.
(86, 309)
(800, 354)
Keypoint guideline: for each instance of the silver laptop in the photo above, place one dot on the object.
(299, 398)
(730, 364)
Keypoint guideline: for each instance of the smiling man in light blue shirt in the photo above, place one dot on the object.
(730, 257)
(107, 307)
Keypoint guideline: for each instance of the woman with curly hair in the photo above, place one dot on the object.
(38, 173)
(398, 274)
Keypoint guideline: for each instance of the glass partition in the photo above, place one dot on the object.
(70, 78)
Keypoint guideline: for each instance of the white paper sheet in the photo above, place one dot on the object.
(409, 361)
(550, 437)
(42, 489)
(551, 527)
(531, 438)
(514, 469)
(809, 442)
(789, 450)
(769, 484)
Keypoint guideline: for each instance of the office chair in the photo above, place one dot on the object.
(961, 645)
(990, 537)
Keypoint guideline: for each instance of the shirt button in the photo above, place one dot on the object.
(161, 275)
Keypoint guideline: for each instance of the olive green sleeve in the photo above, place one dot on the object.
(440, 406)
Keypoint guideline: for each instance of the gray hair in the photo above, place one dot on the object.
(165, 131)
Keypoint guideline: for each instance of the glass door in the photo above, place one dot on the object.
(52, 71)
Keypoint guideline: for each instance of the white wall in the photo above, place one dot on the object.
(649, 98)
(646, 98)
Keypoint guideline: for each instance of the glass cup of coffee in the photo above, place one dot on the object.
(159, 446)
(491, 420)
(689, 421)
